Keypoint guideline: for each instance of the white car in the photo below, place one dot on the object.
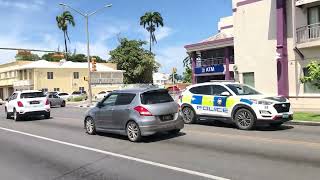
(102, 94)
(63, 95)
(233, 102)
(27, 103)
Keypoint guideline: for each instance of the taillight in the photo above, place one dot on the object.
(20, 104)
(47, 102)
(142, 111)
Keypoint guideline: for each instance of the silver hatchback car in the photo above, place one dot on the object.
(135, 113)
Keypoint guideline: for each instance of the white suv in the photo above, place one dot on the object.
(27, 103)
(233, 102)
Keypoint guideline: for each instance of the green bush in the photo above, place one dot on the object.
(77, 99)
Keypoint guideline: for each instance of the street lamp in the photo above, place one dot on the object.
(86, 16)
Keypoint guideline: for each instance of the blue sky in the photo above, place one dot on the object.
(31, 24)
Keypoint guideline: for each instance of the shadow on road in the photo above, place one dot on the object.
(146, 139)
(259, 127)
(34, 118)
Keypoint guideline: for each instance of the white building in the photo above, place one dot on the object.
(161, 78)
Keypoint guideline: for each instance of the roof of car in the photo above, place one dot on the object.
(137, 90)
(213, 83)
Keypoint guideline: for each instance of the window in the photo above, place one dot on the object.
(25, 74)
(110, 100)
(205, 90)
(13, 96)
(81, 89)
(50, 75)
(217, 90)
(248, 78)
(44, 89)
(31, 95)
(125, 99)
(309, 87)
(63, 94)
(241, 89)
(313, 15)
(56, 89)
(156, 97)
(75, 75)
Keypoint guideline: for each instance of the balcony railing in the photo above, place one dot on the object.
(213, 61)
(308, 33)
(22, 83)
(106, 80)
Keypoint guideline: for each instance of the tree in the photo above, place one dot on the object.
(313, 75)
(27, 57)
(137, 62)
(52, 57)
(150, 21)
(187, 74)
(62, 21)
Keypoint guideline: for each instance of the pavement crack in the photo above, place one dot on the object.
(81, 167)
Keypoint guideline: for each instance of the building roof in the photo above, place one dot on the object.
(64, 64)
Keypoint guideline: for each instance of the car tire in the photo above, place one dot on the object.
(16, 115)
(63, 104)
(189, 116)
(47, 115)
(175, 131)
(275, 125)
(244, 119)
(8, 116)
(133, 131)
(90, 126)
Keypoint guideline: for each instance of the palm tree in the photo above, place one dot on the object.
(62, 21)
(150, 21)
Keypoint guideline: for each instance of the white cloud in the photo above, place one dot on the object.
(160, 33)
(35, 4)
(170, 57)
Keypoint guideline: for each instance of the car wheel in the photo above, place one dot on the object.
(275, 125)
(244, 119)
(50, 104)
(47, 115)
(133, 131)
(8, 116)
(90, 126)
(63, 104)
(189, 116)
(175, 131)
(16, 115)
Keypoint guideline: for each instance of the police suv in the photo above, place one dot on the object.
(233, 102)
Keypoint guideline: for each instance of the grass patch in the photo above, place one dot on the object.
(306, 116)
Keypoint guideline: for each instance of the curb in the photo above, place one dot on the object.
(303, 123)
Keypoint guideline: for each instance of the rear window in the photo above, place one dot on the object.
(156, 97)
(32, 95)
(63, 94)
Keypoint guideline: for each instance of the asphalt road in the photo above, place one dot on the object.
(58, 148)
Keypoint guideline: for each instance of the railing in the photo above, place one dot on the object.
(22, 83)
(213, 61)
(308, 33)
(106, 80)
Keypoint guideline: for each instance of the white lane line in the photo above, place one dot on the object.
(195, 173)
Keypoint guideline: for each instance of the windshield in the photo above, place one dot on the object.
(76, 92)
(32, 95)
(241, 89)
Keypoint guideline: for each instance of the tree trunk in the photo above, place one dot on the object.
(65, 45)
(150, 41)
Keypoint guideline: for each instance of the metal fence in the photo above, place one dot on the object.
(308, 33)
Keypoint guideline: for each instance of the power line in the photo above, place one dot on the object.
(18, 49)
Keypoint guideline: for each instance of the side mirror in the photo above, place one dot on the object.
(226, 93)
(6, 99)
(100, 105)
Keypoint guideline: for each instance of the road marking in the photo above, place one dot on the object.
(191, 172)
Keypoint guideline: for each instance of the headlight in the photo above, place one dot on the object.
(265, 102)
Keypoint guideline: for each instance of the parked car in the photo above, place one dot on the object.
(102, 94)
(64, 96)
(27, 103)
(135, 113)
(233, 103)
(55, 100)
(78, 94)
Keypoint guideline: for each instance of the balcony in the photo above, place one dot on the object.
(308, 36)
(22, 83)
(303, 2)
(212, 61)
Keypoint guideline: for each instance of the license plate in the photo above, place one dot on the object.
(285, 116)
(167, 117)
(34, 102)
